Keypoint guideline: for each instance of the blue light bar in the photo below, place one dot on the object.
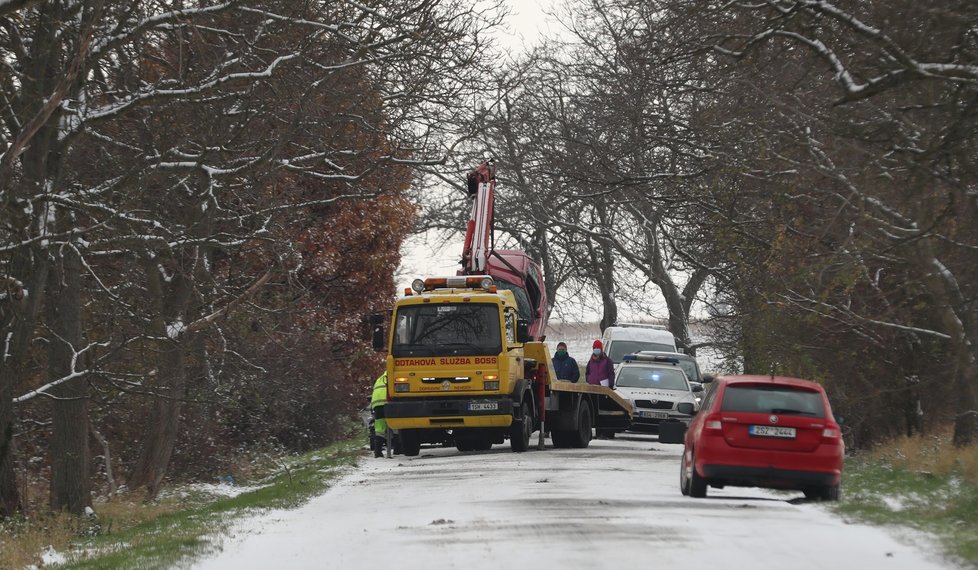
(644, 358)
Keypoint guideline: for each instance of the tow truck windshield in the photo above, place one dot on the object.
(447, 329)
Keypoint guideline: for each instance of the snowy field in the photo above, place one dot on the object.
(615, 504)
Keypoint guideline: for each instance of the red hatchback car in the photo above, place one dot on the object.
(763, 431)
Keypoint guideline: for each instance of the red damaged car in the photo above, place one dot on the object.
(763, 431)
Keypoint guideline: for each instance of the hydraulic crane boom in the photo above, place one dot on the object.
(478, 231)
(512, 269)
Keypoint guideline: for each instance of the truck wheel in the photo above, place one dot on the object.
(410, 442)
(519, 435)
(559, 438)
(582, 436)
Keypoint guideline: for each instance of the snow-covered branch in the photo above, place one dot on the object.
(74, 373)
(896, 62)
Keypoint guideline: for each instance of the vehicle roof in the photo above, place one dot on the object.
(679, 355)
(501, 296)
(734, 379)
(637, 333)
(646, 364)
(518, 259)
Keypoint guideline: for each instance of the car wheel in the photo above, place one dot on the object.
(683, 476)
(697, 484)
(830, 493)
(827, 493)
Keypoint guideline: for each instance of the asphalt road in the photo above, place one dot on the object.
(615, 504)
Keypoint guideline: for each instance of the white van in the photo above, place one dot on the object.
(627, 338)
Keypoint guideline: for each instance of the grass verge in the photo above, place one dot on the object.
(922, 483)
(181, 532)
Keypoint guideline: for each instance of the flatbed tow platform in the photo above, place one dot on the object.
(572, 409)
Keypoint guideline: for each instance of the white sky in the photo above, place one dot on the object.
(426, 254)
(429, 254)
(527, 22)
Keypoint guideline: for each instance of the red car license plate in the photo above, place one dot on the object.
(772, 431)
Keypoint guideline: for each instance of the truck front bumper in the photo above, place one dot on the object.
(449, 413)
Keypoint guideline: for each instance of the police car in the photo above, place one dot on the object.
(655, 384)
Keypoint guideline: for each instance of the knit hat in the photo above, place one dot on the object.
(597, 344)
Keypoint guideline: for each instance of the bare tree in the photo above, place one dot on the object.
(164, 137)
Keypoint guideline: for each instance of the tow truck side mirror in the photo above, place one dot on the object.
(522, 330)
(377, 335)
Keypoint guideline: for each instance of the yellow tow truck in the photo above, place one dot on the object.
(462, 371)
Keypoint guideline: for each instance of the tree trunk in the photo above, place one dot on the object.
(162, 425)
(675, 301)
(603, 263)
(71, 486)
(966, 402)
(960, 324)
(169, 304)
(15, 347)
(39, 167)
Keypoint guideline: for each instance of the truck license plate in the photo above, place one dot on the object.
(772, 431)
(483, 406)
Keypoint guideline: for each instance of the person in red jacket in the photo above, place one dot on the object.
(599, 370)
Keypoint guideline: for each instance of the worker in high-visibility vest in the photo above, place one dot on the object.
(377, 401)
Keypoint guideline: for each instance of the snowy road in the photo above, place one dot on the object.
(615, 504)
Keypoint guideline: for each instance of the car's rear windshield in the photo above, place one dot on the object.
(620, 348)
(642, 377)
(773, 399)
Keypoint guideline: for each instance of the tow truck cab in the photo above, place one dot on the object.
(455, 362)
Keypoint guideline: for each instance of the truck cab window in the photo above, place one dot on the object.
(510, 327)
(522, 301)
(447, 330)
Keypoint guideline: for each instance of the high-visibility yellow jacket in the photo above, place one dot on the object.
(377, 399)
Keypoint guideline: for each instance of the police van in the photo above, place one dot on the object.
(629, 338)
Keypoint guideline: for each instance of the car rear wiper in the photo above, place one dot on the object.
(791, 411)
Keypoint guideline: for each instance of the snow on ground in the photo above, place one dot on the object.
(50, 557)
(615, 504)
(222, 489)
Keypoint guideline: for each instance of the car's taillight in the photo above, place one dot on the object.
(831, 434)
(713, 425)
